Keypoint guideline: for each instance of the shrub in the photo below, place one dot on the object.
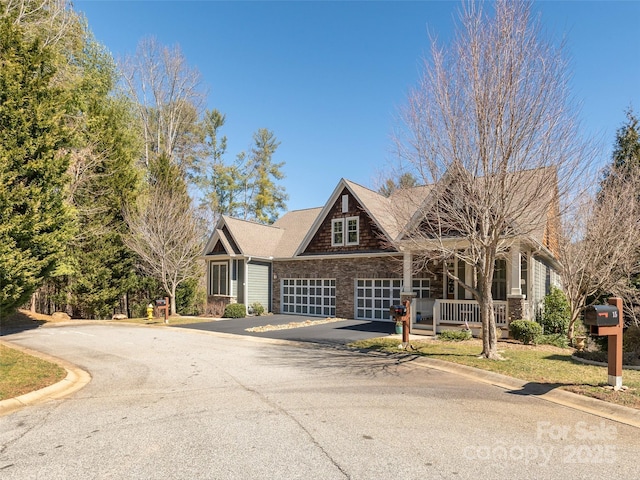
(256, 308)
(525, 331)
(631, 340)
(190, 298)
(235, 310)
(556, 339)
(556, 315)
(455, 335)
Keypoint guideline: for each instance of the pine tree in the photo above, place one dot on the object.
(626, 153)
(35, 224)
(625, 169)
(265, 198)
(406, 180)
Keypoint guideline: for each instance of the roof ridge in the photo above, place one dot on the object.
(362, 186)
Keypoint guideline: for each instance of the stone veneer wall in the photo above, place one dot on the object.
(216, 305)
(515, 307)
(345, 271)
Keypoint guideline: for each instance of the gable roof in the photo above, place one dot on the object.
(252, 239)
(296, 224)
(531, 194)
(290, 235)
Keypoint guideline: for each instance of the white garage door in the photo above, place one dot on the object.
(374, 296)
(309, 296)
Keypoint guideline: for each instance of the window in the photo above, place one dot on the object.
(353, 231)
(421, 287)
(337, 232)
(338, 227)
(499, 287)
(218, 279)
(523, 274)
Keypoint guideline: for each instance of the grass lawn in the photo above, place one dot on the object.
(532, 363)
(21, 373)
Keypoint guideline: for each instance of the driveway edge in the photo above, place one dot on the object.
(75, 380)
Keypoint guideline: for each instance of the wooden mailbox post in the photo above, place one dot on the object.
(607, 320)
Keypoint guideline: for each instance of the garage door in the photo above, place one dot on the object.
(309, 296)
(374, 296)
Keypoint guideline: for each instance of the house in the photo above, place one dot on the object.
(349, 259)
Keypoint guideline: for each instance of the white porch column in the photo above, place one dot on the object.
(515, 299)
(515, 270)
(407, 277)
(468, 279)
(407, 286)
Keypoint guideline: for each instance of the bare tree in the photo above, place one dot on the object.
(48, 19)
(492, 126)
(600, 246)
(167, 95)
(167, 236)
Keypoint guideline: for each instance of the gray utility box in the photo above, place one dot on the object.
(602, 316)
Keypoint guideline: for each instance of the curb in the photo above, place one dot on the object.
(619, 413)
(600, 408)
(75, 380)
(601, 364)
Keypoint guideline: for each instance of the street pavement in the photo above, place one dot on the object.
(168, 403)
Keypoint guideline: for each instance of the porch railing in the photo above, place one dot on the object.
(466, 311)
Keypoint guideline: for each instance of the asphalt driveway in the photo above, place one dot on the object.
(340, 332)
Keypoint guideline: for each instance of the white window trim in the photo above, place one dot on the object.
(344, 222)
(346, 230)
(335, 222)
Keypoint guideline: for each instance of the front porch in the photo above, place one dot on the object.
(434, 315)
(519, 284)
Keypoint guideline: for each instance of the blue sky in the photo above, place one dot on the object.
(329, 77)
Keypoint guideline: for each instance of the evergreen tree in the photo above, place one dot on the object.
(101, 267)
(626, 153)
(264, 198)
(406, 180)
(221, 184)
(35, 224)
(625, 170)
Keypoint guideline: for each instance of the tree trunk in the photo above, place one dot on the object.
(489, 332)
(172, 300)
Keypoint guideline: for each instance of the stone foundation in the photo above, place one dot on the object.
(216, 305)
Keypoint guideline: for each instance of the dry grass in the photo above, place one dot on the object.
(541, 364)
(21, 373)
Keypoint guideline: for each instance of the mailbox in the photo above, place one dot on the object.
(162, 306)
(602, 316)
(398, 311)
